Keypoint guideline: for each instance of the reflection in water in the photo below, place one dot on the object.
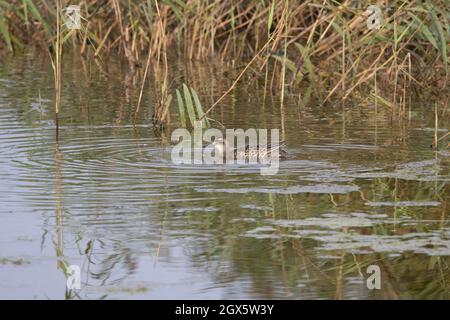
(360, 189)
(58, 213)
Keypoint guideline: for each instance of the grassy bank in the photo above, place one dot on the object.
(327, 43)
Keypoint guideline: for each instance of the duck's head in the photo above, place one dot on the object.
(220, 145)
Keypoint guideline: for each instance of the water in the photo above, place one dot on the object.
(358, 189)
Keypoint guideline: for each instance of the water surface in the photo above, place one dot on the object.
(359, 189)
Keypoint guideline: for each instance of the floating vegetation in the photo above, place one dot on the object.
(255, 207)
(316, 188)
(403, 203)
(336, 221)
(186, 210)
(328, 230)
(426, 170)
(16, 262)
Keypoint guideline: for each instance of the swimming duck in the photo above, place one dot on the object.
(250, 153)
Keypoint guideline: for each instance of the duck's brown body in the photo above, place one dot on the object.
(256, 153)
(259, 152)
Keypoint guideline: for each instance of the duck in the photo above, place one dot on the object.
(249, 153)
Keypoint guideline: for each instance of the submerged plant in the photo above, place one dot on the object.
(161, 115)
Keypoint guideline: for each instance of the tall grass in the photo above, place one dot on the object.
(324, 42)
(56, 63)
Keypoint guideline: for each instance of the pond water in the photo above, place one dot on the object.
(358, 189)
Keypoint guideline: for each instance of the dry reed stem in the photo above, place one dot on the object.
(237, 79)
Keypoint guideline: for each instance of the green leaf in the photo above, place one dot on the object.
(404, 31)
(189, 105)
(306, 61)
(288, 63)
(175, 9)
(442, 39)
(5, 32)
(198, 105)
(425, 31)
(37, 15)
(181, 109)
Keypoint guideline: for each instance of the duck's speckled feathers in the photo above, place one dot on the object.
(259, 152)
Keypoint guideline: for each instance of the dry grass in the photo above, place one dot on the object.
(324, 42)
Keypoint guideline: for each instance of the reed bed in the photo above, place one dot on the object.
(290, 43)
